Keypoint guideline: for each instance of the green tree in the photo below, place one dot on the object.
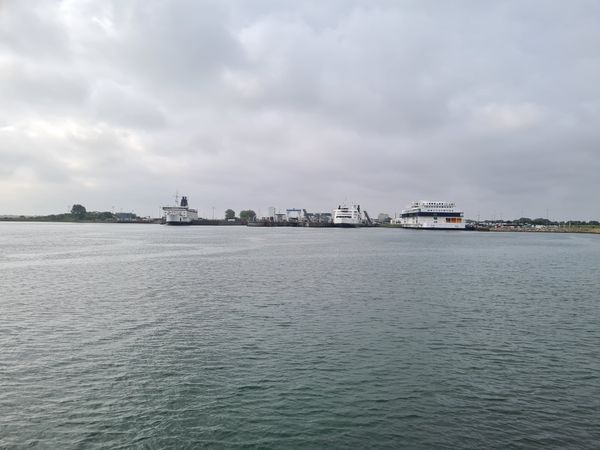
(541, 221)
(247, 215)
(229, 214)
(78, 211)
(524, 220)
(106, 215)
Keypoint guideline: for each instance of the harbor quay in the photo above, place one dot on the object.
(345, 215)
(420, 215)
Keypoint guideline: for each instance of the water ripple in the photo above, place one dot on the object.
(154, 337)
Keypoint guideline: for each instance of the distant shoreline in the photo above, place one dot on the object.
(29, 220)
(576, 230)
(157, 221)
(592, 230)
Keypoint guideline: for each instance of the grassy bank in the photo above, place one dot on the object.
(567, 229)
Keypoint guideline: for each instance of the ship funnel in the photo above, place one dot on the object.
(184, 201)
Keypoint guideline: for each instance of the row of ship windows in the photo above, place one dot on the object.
(435, 219)
(431, 214)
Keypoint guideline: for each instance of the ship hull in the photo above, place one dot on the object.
(412, 227)
(346, 225)
(416, 224)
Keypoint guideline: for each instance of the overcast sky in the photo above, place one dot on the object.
(250, 104)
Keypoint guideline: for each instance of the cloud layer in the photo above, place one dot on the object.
(300, 104)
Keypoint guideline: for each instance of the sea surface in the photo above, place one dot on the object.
(149, 336)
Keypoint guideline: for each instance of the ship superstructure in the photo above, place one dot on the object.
(432, 215)
(181, 213)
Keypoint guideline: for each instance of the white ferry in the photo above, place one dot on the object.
(432, 215)
(180, 214)
(347, 216)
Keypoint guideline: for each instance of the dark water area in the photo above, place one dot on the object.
(151, 336)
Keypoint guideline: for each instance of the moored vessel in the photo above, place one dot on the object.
(431, 215)
(347, 216)
(181, 213)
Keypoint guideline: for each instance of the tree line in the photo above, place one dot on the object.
(246, 215)
(526, 221)
(79, 212)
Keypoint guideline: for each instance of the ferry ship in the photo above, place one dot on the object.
(347, 216)
(432, 215)
(181, 213)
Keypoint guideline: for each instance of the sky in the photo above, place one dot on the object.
(118, 105)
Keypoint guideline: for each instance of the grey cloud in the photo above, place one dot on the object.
(31, 87)
(170, 44)
(32, 30)
(252, 104)
(124, 108)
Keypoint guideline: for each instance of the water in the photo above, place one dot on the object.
(226, 337)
